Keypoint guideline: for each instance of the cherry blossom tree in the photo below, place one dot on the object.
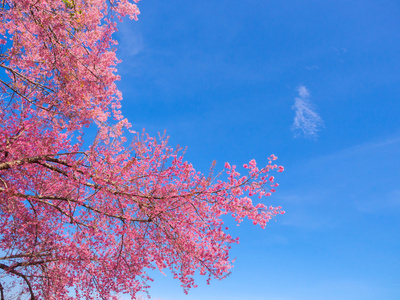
(86, 222)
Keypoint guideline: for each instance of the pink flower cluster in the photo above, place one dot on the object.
(82, 222)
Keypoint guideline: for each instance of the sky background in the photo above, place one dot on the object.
(316, 83)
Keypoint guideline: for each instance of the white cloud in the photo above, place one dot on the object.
(131, 40)
(306, 122)
(312, 68)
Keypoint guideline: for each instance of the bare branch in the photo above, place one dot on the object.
(24, 277)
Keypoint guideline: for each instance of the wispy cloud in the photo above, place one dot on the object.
(312, 68)
(306, 122)
(131, 41)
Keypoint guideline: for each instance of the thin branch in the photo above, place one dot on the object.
(35, 159)
(41, 198)
(23, 96)
(12, 271)
(26, 78)
(33, 254)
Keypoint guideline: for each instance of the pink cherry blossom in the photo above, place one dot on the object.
(79, 222)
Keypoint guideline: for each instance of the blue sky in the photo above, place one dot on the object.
(315, 82)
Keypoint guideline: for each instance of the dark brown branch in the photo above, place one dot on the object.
(1, 292)
(12, 271)
(23, 96)
(33, 254)
(32, 263)
(41, 198)
(35, 159)
(26, 78)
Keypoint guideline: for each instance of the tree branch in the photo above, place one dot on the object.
(12, 271)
